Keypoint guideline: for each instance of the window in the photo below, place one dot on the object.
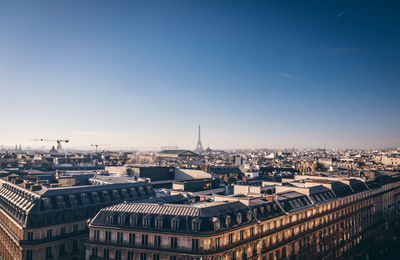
(241, 234)
(156, 257)
(75, 246)
(62, 231)
(195, 244)
(30, 235)
(62, 249)
(117, 254)
(174, 242)
(145, 240)
(196, 224)
(120, 237)
(108, 236)
(157, 241)
(121, 220)
(175, 223)
(94, 251)
(132, 238)
(146, 221)
(233, 255)
(217, 242)
(75, 227)
(249, 215)
(106, 253)
(172, 258)
(96, 235)
(231, 238)
(252, 231)
(48, 252)
(228, 221)
(143, 256)
(216, 223)
(49, 233)
(159, 222)
(239, 218)
(28, 254)
(110, 219)
(133, 220)
(130, 255)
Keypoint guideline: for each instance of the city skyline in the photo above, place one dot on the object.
(145, 74)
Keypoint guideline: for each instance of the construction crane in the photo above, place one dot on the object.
(58, 141)
(97, 145)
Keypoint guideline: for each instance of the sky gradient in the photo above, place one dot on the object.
(254, 74)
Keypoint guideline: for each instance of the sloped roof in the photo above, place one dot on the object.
(202, 209)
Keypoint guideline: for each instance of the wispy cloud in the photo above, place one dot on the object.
(337, 50)
(286, 75)
(339, 14)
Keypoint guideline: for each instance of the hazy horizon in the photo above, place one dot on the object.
(251, 73)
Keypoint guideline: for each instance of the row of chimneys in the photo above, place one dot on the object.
(27, 183)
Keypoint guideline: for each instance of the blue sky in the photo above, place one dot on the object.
(253, 73)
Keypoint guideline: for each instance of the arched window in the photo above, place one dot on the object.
(249, 215)
(239, 218)
(228, 221)
(216, 223)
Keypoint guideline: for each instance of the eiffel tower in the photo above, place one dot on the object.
(199, 147)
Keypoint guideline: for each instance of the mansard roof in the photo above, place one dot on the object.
(201, 209)
(207, 214)
(19, 202)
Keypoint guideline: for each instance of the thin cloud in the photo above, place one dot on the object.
(337, 50)
(286, 75)
(339, 14)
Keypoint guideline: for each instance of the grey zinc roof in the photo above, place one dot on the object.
(201, 209)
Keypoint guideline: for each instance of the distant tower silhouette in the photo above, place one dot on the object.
(199, 147)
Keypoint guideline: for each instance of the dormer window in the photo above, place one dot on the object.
(146, 221)
(124, 193)
(269, 208)
(196, 224)
(175, 223)
(249, 215)
(60, 202)
(72, 200)
(228, 221)
(95, 196)
(115, 194)
(110, 219)
(47, 203)
(133, 192)
(262, 210)
(121, 220)
(216, 223)
(159, 221)
(84, 199)
(106, 196)
(239, 218)
(255, 212)
(133, 220)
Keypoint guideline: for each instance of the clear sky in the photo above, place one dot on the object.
(253, 73)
